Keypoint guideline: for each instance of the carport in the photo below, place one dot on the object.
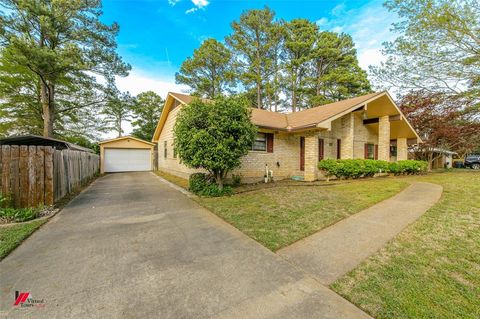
(126, 154)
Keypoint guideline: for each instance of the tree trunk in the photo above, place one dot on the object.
(219, 180)
(48, 108)
(294, 99)
(259, 73)
(259, 98)
(430, 161)
(119, 126)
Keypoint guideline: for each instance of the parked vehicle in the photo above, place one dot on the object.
(472, 161)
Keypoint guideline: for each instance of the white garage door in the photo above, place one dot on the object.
(127, 160)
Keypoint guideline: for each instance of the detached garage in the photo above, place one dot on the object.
(126, 154)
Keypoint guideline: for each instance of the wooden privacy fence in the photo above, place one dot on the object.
(41, 175)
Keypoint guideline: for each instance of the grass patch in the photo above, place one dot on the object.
(432, 268)
(12, 236)
(277, 217)
(182, 182)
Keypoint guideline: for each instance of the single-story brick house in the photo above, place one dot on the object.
(291, 144)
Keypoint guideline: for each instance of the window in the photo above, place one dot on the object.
(369, 151)
(164, 149)
(260, 143)
(393, 150)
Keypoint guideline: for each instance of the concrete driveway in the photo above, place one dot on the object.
(132, 247)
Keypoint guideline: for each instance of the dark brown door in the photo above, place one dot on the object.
(302, 153)
(339, 149)
(321, 151)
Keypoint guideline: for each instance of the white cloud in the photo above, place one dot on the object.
(138, 82)
(338, 10)
(198, 4)
(322, 21)
(173, 2)
(369, 29)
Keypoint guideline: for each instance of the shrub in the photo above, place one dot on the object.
(204, 185)
(350, 168)
(236, 180)
(394, 168)
(356, 168)
(213, 190)
(412, 167)
(197, 182)
(18, 214)
(329, 167)
(5, 201)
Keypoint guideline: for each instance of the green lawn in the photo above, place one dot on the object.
(277, 217)
(182, 182)
(12, 236)
(432, 269)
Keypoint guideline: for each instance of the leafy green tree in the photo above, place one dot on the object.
(78, 101)
(209, 72)
(118, 109)
(253, 40)
(299, 43)
(214, 135)
(336, 73)
(146, 111)
(438, 47)
(58, 42)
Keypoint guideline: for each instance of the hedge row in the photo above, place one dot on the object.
(357, 168)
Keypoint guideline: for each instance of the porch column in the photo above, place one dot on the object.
(347, 136)
(311, 158)
(402, 149)
(384, 138)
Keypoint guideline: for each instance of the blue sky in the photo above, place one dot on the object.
(157, 35)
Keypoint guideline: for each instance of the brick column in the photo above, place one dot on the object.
(384, 138)
(311, 158)
(347, 136)
(402, 149)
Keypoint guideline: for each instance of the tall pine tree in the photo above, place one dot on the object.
(252, 41)
(209, 72)
(59, 43)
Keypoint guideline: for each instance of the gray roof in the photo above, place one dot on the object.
(43, 141)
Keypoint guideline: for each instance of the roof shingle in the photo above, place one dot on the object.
(296, 120)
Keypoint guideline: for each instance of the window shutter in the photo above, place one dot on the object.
(269, 142)
(320, 149)
(339, 149)
(366, 151)
(376, 151)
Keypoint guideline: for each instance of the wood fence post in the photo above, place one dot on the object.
(23, 170)
(40, 178)
(14, 175)
(32, 182)
(49, 200)
(5, 170)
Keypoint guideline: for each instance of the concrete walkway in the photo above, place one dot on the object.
(334, 251)
(132, 247)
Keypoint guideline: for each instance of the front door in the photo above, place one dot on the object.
(302, 153)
